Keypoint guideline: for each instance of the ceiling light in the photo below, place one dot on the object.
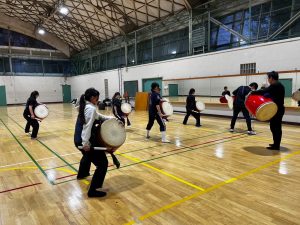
(41, 31)
(63, 10)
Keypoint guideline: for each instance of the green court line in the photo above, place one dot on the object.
(49, 149)
(28, 154)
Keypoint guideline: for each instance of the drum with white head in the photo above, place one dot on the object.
(296, 95)
(200, 106)
(126, 108)
(166, 108)
(111, 134)
(41, 111)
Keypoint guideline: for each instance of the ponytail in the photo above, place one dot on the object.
(89, 93)
(81, 109)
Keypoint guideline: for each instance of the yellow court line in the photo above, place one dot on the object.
(214, 187)
(162, 172)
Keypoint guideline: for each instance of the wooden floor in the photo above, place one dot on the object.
(204, 176)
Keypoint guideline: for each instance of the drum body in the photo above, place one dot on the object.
(223, 99)
(296, 96)
(166, 108)
(230, 100)
(200, 106)
(41, 111)
(126, 108)
(261, 107)
(111, 133)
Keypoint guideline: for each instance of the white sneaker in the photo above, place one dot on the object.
(251, 132)
(231, 130)
(165, 141)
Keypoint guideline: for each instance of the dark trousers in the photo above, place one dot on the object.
(298, 103)
(276, 126)
(236, 110)
(31, 122)
(99, 159)
(121, 118)
(194, 114)
(152, 117)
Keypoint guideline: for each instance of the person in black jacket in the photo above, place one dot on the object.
(277, 92)
(116, 108)
(239, 105)
(155, 112)
(28, 114)
(225, 92)
(191, 108)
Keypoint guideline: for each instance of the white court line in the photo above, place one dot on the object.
(37, 160)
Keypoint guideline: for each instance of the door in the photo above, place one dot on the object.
(147, 84)
(66, 89)
(3, 96)
(173, 89)
(131, 87)
(288, 84)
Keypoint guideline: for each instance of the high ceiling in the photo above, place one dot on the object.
(91, 21)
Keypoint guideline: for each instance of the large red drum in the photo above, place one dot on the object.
(261, 107)
(223, 99)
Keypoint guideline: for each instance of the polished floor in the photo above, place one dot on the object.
(204, 176)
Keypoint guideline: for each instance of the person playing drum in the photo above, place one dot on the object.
(29, 115)
(116, 108)
(239, 105)
(84, 136)
(277, 92)
(191, 108)
(155, 112)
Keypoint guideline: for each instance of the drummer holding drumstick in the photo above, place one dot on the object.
(84, 136)
(276, 92)
(155, 112)
(116, 108)
(28, 114)
(190, 108)
(239, 105)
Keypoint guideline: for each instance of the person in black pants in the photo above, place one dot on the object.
(116, 108)
(28, 114)
(277, 92)
(191, 108)
(239, 105)
(155, 112)
(85, 136)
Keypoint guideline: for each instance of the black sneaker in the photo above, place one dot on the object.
(97, 194)
(273, 148)
(82, 177)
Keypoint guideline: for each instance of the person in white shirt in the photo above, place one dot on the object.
(84, 136)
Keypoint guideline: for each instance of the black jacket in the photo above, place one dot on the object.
(275, 91)
(241, 94)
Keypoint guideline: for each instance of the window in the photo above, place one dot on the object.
(248, 68)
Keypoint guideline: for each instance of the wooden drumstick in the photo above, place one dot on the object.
(95, 148)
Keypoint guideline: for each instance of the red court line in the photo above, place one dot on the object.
(18, 188)
(58, 178)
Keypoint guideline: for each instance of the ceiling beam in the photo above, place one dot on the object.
(100, 11)
(17, 25)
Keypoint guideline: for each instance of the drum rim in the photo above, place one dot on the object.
(266, 103)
